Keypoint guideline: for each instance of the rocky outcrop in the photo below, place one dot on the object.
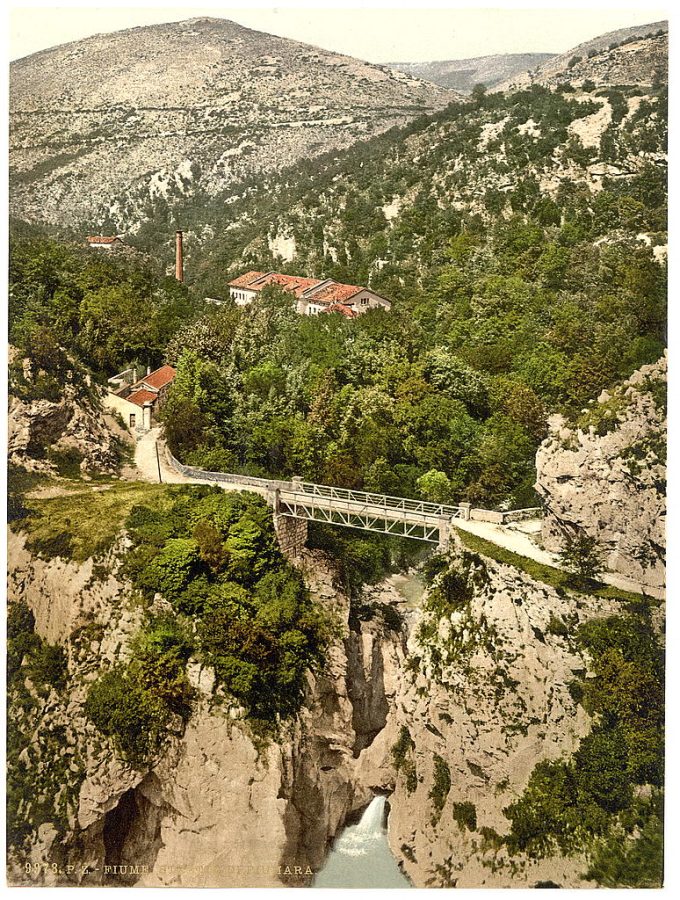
(606, 477)
(71, 426)
(221, 806)
(481, 695)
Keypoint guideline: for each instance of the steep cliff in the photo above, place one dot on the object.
(221, 806)
(482, 696)
(445, 702)
(606, 476)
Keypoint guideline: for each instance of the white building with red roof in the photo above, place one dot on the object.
(312, 295)
(99, 242)
(138, 400)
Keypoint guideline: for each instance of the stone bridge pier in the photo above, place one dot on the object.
(290, 532)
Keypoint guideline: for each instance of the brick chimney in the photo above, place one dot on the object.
(179, 260)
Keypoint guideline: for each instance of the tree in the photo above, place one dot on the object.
(435, 486)
(581, 556)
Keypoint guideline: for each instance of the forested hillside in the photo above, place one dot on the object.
(522, 239)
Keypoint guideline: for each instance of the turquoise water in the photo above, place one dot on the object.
(361, 856)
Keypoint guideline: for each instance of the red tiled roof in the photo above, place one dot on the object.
(342, 309)
(139, 398)
(314, 290)
(335, 293)
(102, 240)
(159, 378)
(294, 283)
(244, 280)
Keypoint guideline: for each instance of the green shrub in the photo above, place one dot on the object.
(49, 666)
(631, 855)
(29, 655)
(588, 800)
(465, 814)
(581, 556)
(557, 627)
(67, 461)
(402, 757)
(133, 717)
(215, 557)
(441, 785)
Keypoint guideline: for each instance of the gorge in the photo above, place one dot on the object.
(442, 697)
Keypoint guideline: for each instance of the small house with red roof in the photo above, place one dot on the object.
(312, 295)
(138, 400)
(99, 242)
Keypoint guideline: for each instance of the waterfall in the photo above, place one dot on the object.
(361, 856)
(358, 839)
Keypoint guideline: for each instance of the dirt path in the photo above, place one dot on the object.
(521, 543)
(147, 460)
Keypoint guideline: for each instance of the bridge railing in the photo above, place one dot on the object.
(225, 477)
(365, 498)
(351, 499)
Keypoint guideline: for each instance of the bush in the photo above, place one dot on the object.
(588, 801)
(557, 627)
(581, 556)
(215, 557)
(465, 814)
(134, 718)
(402, 757)
(632, 855)
(441, 785)
(48, 666)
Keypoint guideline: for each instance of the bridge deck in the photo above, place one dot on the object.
(401, 516)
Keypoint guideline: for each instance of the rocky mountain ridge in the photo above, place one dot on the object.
(627, 56)
(463, 74)
(117, 120)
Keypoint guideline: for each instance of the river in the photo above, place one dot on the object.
(361, 856)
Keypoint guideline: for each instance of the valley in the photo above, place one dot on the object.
(336, 588)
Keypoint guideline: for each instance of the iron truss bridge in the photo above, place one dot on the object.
(370, 512)
(299, 499)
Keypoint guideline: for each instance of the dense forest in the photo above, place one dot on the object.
(518, 303)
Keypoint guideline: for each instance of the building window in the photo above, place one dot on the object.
(364, 301)
(133, 420)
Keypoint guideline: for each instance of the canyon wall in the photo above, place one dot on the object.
(605, 476)
(222, 806)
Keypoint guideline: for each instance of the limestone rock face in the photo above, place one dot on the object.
(220, 807)
(484, 697)
(447, 714)
(71, 423)
(607, 477)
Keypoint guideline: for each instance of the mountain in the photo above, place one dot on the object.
(103, 127)
(382, 212)
(463, 74)
(626, 56)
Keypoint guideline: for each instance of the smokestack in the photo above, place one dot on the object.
(179, 261)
